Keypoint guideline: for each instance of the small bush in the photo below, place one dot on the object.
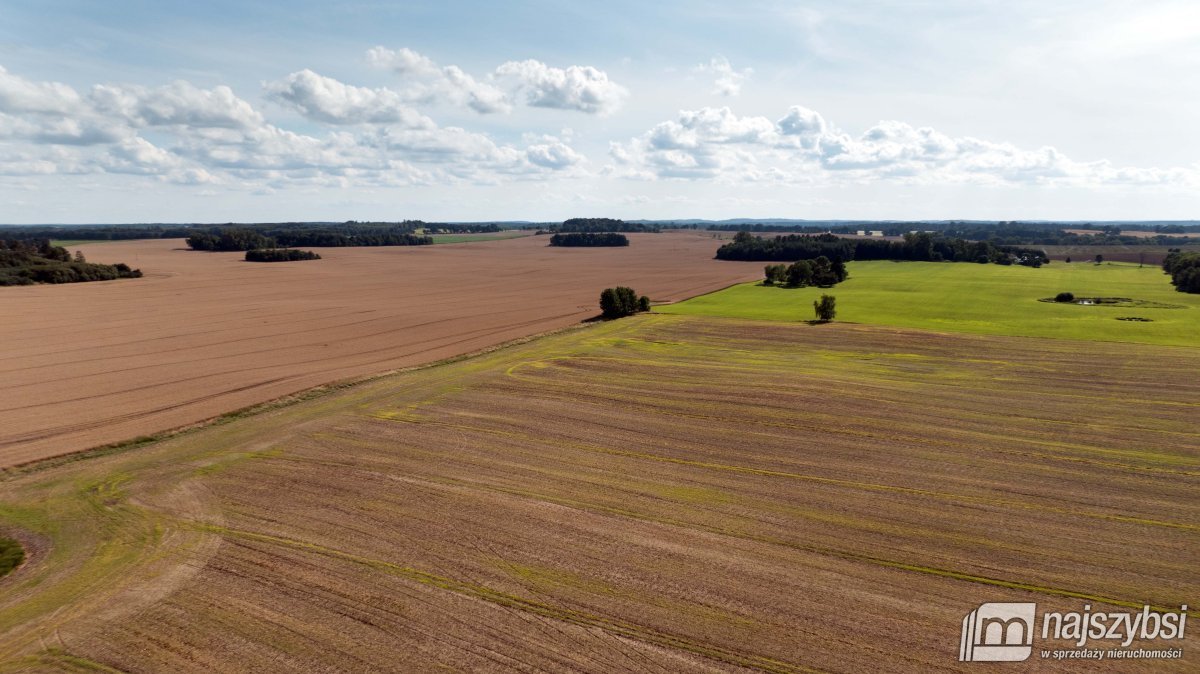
(1064, 297)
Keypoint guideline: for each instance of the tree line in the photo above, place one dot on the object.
(589, 239)
(26, 262)
(228, 239)
(921, 246)
(1184, 269)
(279, 255)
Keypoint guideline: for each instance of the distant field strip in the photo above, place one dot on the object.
(662, 493)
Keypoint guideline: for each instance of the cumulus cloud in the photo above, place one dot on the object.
(581, 88)
(427, 82)
(327, 100)
(704, 143)
(726, 80)
(19, 95)
(553, 155)
(177, 104)
(207, 136)
(715, 143)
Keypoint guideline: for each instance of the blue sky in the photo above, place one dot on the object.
(215, 111)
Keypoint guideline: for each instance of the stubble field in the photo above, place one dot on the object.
(205, 333)
(663, 493)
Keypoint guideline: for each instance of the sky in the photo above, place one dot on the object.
(542, 110)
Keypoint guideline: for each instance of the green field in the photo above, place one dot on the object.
(981, 299)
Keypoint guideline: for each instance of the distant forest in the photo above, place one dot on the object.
(918, 247)
(349, 233)
(97, 232)
(1004, 233)
(27, 262)
(589, 239)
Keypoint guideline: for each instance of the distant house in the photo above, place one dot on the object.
(862, 232)
(876, 232)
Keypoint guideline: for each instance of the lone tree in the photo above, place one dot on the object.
(825, 308)
(1099, 258)
(622, 301)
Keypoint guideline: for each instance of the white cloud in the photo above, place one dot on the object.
(327, 100)
(177, 104)
(714, 143)
(553, 155)
(726, 80)
(581, 88)
(209, 136)
(426, 82)
(19, 95)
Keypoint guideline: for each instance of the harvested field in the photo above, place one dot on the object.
(662, 493)
(205, 333)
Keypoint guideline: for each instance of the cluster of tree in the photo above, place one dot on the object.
(820, 271)
(622, 301)
(921, 246)
(26, 262)
(279, 255)
(601, 225)
(1184, 269)
(589, 239)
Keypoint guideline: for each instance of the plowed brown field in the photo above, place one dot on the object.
(657, 494)
(205, 333)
